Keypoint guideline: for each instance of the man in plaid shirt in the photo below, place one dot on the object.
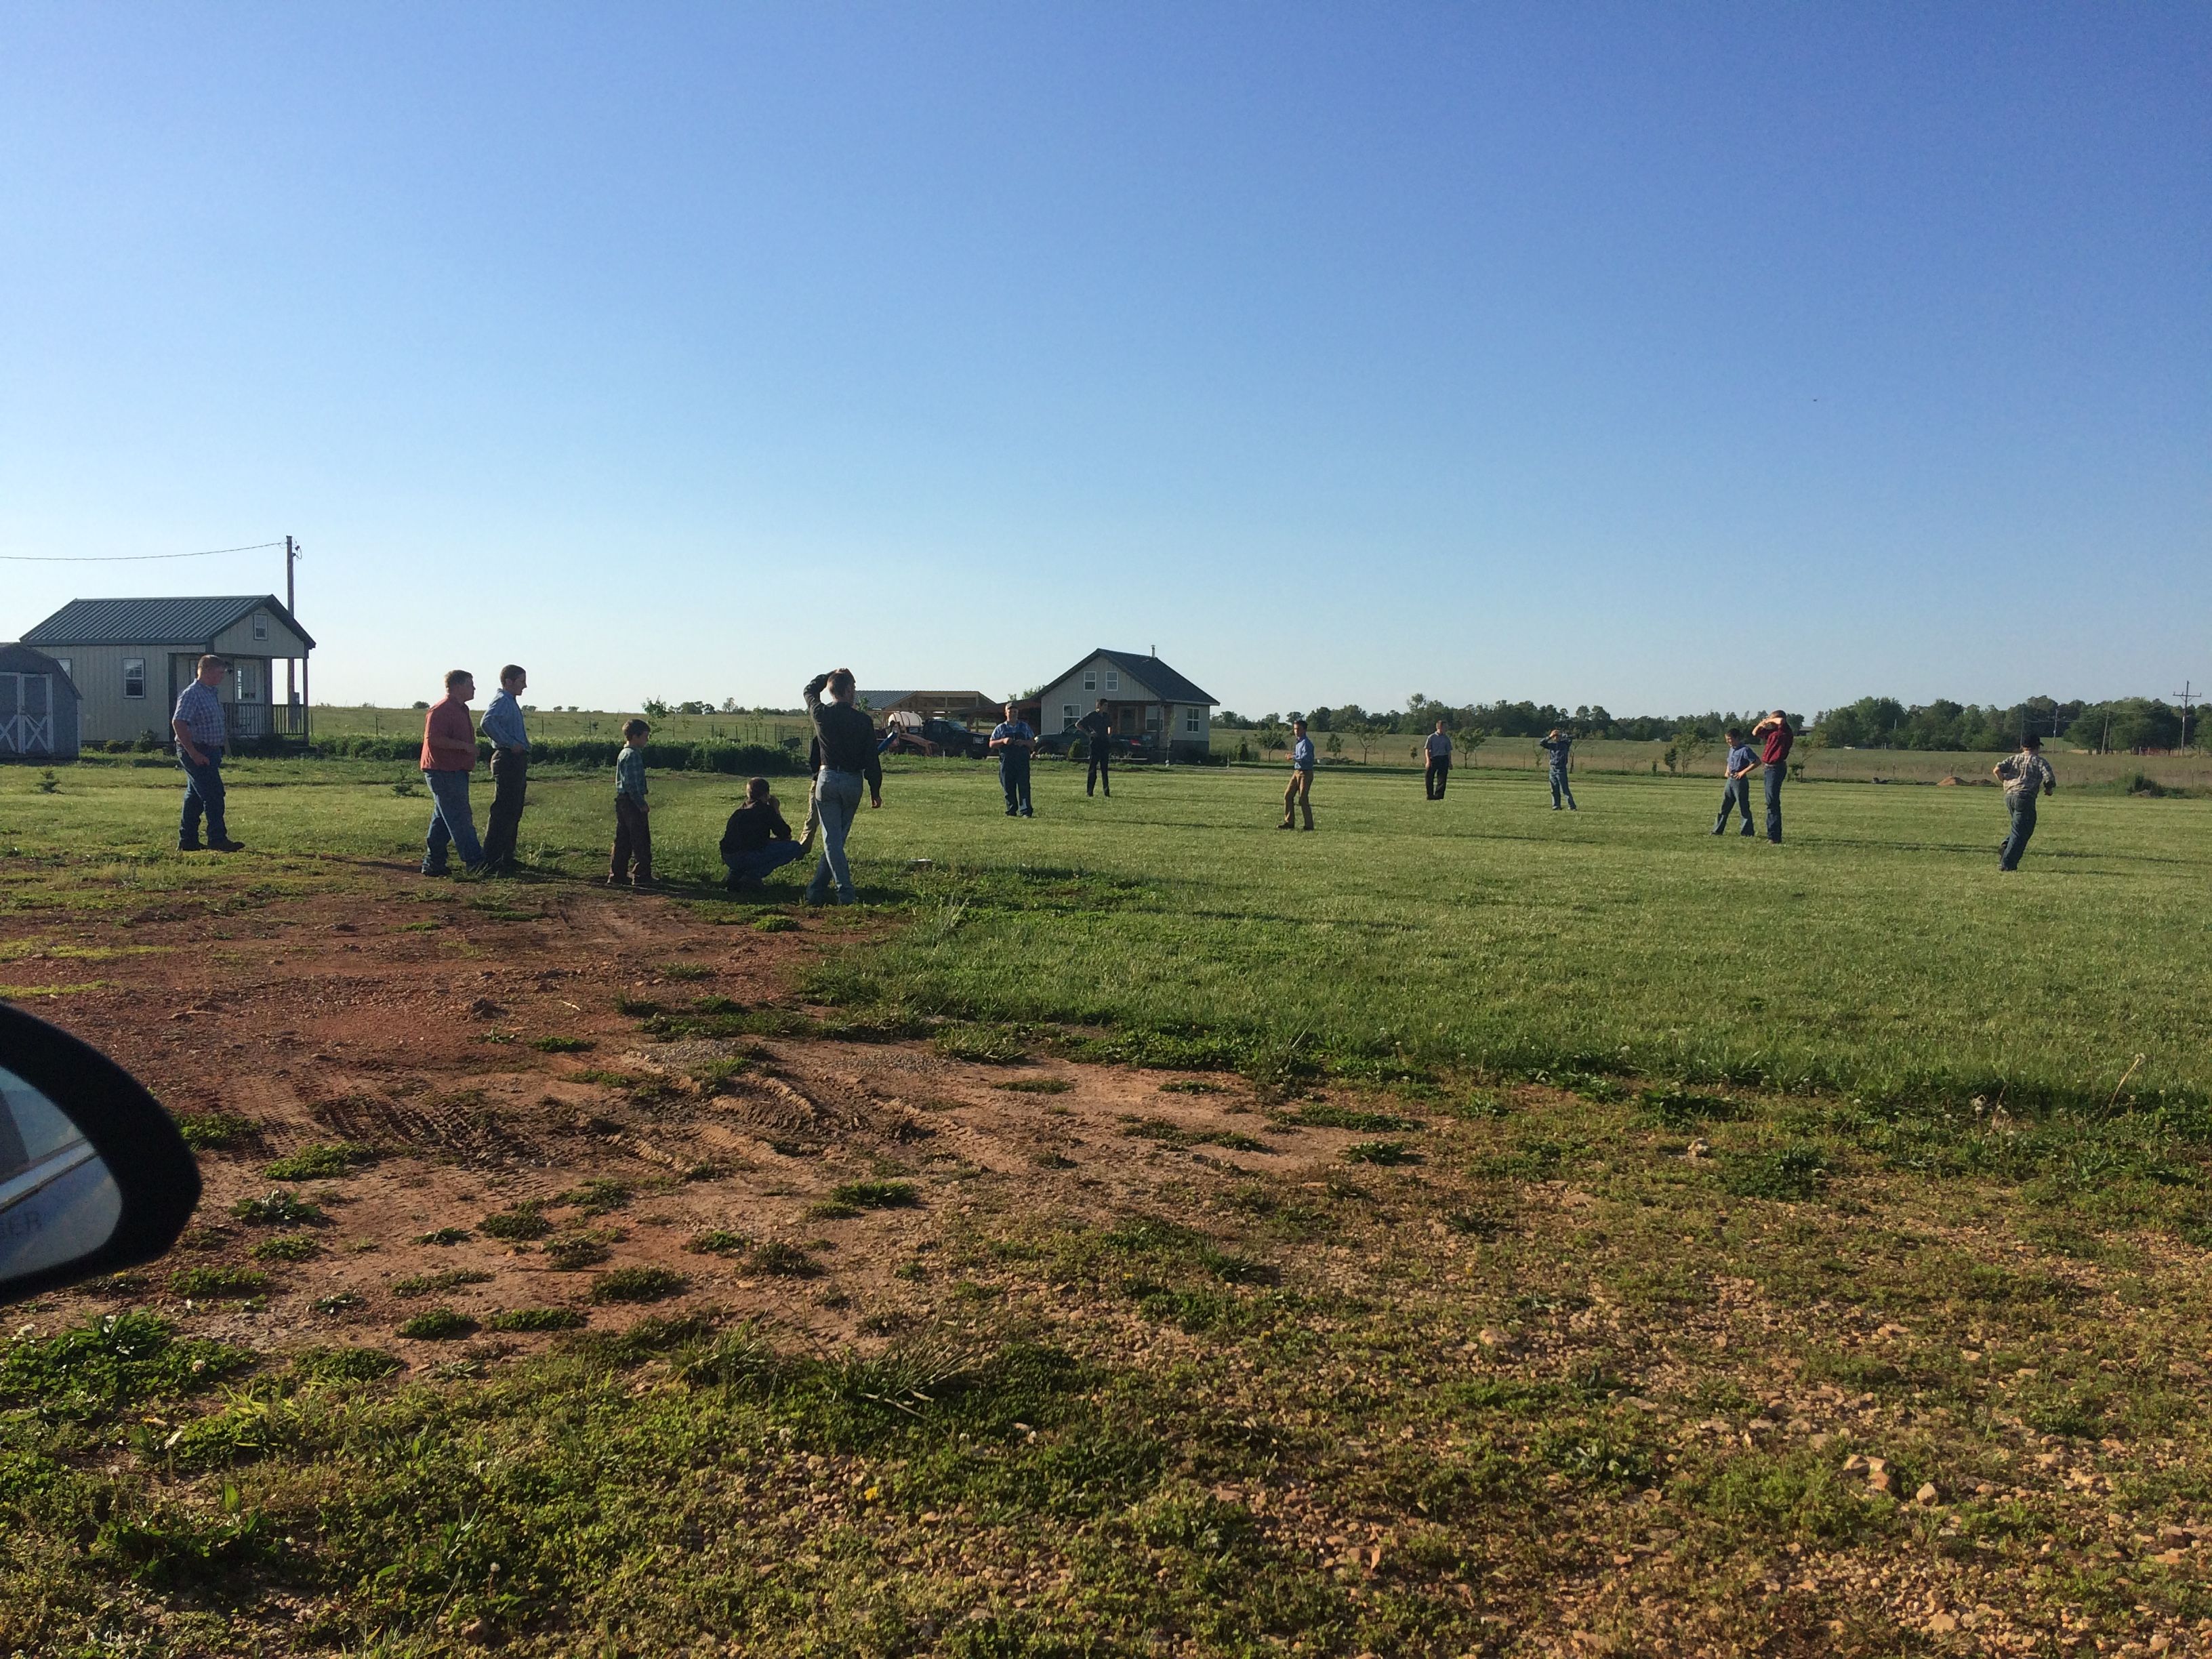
(2025, 776)
(201, 739)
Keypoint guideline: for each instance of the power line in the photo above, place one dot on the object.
(127, 558)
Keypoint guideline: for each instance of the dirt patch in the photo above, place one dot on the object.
(471, 1042)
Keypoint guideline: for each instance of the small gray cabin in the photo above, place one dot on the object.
(130, 659)
(38, 706)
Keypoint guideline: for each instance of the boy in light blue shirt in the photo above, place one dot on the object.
(633, 828)
(1742, 760)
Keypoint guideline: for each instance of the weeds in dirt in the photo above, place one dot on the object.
(778, 1259)
(1036, 1086)
(320, 1163)
(437, 1284)
(444, 1236)
(517, 1222)
(598, 1196)
(206, 1283)
(278, 1208)
(1322, 1114)
(288, 1246)
(537, 1319)
(1192, 1085)
(878, 1194)
(345, 1364)
(1788, 1174)
(438, 1325)
(686, 971)
(112, 1365)
(568, 1255)
(1175, 1134)
(775, 925)
(718, 1240)
(989, 1045)
(215, 1132)
(639, 1284)
(1384, 1152)
(563, 1045)
(340, 1302)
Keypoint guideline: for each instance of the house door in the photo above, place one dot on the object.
(27, 713)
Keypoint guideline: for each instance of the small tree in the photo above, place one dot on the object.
(1335, 745)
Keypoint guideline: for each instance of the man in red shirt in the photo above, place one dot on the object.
(449, 755)
(1775, 729)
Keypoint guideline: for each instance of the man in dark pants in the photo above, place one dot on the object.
(1098, 729)
(1775, 729)
(201, 735)
(2025, 776)
(1012, 741)
(1437, 772)
(509, 737)
(1736, 791)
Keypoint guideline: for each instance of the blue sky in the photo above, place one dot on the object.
(1663, 358)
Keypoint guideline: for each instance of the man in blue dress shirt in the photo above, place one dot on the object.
(509, 737)
(1012, 742)
(201, 737)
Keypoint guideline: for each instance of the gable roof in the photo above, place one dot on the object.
(153, 622)
(22, 659)
(1155, 676)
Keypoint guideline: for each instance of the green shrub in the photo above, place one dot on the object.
(211, 1132)
(517, 1222)
(719, 1241)
(438, 1325)
(319, 1163)
(781, 1260)
(537, 1319)
(203, 1282)
(568, 1255)
(638, 1284)
(278, 1208)
(878, 1194)
(596, 1196)
(288, 1246)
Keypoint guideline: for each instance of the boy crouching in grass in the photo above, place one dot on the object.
(757, 839)
(633, 828)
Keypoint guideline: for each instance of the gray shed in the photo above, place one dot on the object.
(39, 713)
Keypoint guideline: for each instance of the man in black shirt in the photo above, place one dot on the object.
(849, 758)
(1098, 729)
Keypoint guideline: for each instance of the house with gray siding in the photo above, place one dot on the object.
(1145, 697)
(130, 659)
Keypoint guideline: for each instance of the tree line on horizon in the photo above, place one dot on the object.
(2118, 725)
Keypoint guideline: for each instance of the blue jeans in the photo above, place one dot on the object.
(1559, 788)
(838, 794)
(1774, 776)
(1735, 792)
(2023, 808)
(1014, 779)
(756, 864)
(450, 822)
(202, 793)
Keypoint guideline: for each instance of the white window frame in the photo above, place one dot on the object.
(1192, 724)
(248, 691)
(1067, 717)
(261, 624)
(1112, 679)
(138, 663)
(1090, 680)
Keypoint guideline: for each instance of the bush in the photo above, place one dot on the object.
(210, 1131)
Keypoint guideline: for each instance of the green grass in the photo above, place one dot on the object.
(319, 1163)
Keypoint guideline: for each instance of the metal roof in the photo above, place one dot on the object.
(153, 622)
(1155, 676)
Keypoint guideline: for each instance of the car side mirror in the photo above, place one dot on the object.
(93, 1176)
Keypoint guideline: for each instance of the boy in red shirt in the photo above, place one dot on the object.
(1775, 729)
(449, 755)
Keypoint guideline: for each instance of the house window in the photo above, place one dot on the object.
(134, 677)
(249, 682)
(260, 625)
(1113, 680)
(1191, 721)
(1067, 717)
(1090, 680)
(1152, 718)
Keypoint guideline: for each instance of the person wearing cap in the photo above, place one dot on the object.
(1300, 793)
(1437, 772)
(1559, 746)
(1775, 737)
(505, 730)
(2026, 776)
(201, 737)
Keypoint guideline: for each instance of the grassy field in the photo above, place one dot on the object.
(1711, 1247)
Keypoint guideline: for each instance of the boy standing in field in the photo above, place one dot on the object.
(449, 755)
(1557, 744)
(1098, 729)
(1011, 741)
(2025, 776)
(1300, 793)
(632, 827)
(1774, 757)
(1437, 772)
(1736, 791)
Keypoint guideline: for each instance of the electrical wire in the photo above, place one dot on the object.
(127, 558)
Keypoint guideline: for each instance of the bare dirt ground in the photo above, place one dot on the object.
(408, 1029)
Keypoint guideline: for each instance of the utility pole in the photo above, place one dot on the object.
(291, 688)
(2187, 697)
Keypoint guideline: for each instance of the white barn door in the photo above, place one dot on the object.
(27, 713)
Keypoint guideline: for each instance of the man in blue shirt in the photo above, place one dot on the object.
(1300, 792)
(1012, 742)
(201, 736)
(1736, 790)
(509, 737)
(1556, 744)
